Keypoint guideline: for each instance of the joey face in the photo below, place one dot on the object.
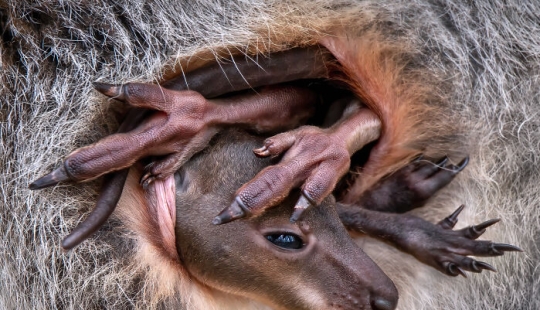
(310, 264)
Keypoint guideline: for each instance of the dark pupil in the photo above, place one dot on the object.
(286, 241)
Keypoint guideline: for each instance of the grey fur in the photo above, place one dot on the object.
(488, 54)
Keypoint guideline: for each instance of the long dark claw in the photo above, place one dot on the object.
(450, 221)
(499, 248)
(110, 90)
(476, 231)
(235, 211)
(462, 164)
(453, 270)
(53, 178)
(485, 266)
(111, 191)
(301, 206)
(474, 267)
(486, 224)
(442, 162)
(461, 272)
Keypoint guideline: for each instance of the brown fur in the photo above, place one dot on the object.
(479, 59)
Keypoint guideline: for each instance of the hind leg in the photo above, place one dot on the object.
(436, 245)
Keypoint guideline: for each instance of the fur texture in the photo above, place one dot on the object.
(481, 63)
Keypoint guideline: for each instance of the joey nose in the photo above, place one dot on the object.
(385, 297)
(380, 303)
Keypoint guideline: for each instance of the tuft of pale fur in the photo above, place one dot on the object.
(484, 59)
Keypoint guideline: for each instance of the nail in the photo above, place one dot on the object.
(301, 205)
(262, 152)
(235, 211)
(442, 162)
(53, 178)
(486, 266)
(451, 220)
(486, 224)
(505, 248)
(110, 90)
(462, 164)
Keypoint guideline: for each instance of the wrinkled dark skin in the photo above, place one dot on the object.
(437, 245)
(210, 81)
(182, 122)
(313, 159)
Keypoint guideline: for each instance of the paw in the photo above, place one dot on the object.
(411, 186)
(175, 119)
(448, 250)
(314, 159)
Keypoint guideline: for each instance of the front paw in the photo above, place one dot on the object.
(314, 159)
(176, 117)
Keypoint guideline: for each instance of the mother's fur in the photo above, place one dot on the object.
(484, 59)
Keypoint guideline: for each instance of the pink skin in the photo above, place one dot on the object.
(183, 122)
(182, 125)
(314, 159)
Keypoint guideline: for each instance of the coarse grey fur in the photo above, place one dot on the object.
(488, 54)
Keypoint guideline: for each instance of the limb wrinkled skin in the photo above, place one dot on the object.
(179, 125)
(282, 67)
(436, 245)
(314, 158)
(182, 125)
(187, 122)
(183, 122)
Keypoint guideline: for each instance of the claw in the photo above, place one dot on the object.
(462, 164)
(146, 180)
(486, 224)
(475, 267)
(110, 90)
(53, 178)
(450, 221)
(453, 270)
(450, 269)
(442, 162)
(461, 272)
(476, 231)
(235, 211)
(301, 206)
(499, 248)
(485, 266)
(262, 151)
(111, 191)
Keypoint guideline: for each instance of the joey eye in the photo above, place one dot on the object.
(286, 241)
